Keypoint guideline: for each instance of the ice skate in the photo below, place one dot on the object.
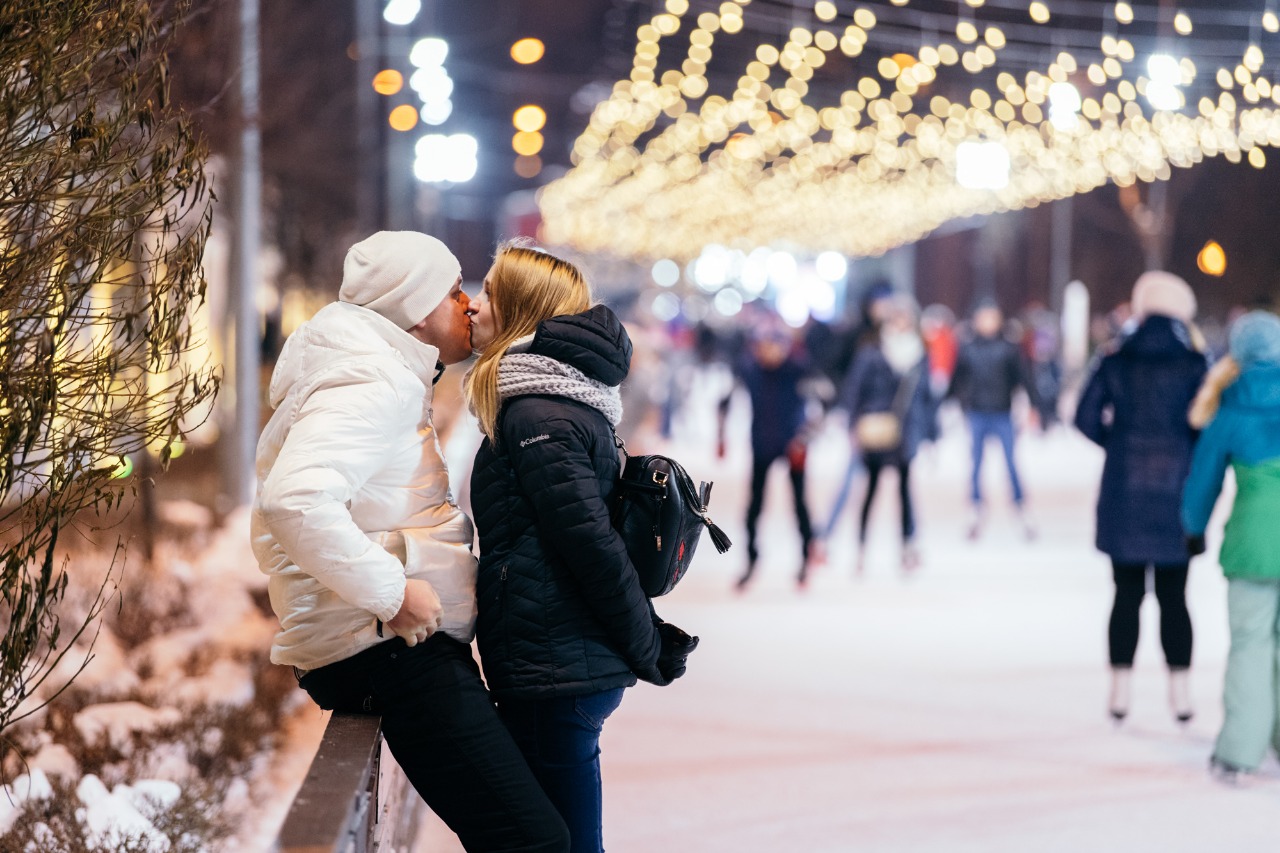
(910, 558)
(1121, 691)
(1180, 695)
(1225, 772)
(974, 530)
(1028, 529)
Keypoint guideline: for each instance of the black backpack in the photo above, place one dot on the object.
(660, 515)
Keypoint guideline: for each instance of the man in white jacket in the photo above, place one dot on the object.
(369, 558)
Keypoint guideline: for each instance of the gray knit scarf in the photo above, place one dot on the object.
(525, 373)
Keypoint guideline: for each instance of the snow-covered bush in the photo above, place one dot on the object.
(150, 747)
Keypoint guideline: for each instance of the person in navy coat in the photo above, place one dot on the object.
(1135, 407)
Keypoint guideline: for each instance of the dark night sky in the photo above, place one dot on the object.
(310, 148)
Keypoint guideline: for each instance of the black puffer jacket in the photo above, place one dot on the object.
(561, 609)
(988, 371)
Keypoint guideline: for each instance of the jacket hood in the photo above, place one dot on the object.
(1257, 388)
(594, 342)
(1158, 335)
(338, 332)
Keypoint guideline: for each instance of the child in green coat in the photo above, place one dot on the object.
(1245, 434)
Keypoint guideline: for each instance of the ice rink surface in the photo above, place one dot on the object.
(958, 709)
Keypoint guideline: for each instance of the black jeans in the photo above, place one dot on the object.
(876, 463)
(760, 466)
(1175, 621)
(560, 738)
(443, 730)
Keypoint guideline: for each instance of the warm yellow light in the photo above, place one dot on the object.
(882, 152)
(1212, 260)
(528, 51)
(1270, 22)
(403, 117)
(388, 82)
(1182, 23)
(527, 143)
(528, 166)
(529, 118)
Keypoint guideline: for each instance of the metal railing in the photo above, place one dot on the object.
(355, 798)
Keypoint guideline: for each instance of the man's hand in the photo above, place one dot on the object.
(420, 614)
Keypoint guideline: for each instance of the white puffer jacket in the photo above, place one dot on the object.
(353, 495)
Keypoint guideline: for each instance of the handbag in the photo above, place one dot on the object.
(881, 432)
(660, 517)
(878, 432)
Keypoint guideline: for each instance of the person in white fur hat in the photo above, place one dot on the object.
(1134, 407)
(370, 564)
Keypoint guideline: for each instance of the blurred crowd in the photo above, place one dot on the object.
(1172, 399)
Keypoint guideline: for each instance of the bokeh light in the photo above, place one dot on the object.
(527, 51)
(527, 143)
(1212, 259)
(403, 117)
(388, 82)
(529, 118)
(529, 166)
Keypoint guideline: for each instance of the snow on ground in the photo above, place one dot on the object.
(961, 709)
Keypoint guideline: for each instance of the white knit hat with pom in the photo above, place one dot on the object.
(1163, 293)
(402, 275)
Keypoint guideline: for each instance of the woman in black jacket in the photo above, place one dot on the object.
(1135, 407)
(889, 377)
(563, 625)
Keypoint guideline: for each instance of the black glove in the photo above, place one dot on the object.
(676, 648)
(1195, 544)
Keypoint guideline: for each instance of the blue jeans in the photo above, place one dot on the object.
(560, 738)
(1000, 425)
(441, 727)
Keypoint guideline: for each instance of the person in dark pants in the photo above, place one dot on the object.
(370, 564)
(1135, 407)
(989, 369)
(890, 378)
(772, 375)
(564, 626)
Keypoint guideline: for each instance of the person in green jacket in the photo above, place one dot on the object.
(1244, 433)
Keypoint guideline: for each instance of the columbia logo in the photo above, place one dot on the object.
(534, 440)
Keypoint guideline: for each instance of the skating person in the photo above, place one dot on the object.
(1134, 406)
(989, 369)
(772, 374)
(1244, 434)
(564, 626)
(370, 564)
(890, 413)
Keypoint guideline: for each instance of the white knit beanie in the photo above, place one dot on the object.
(1163, 293)
(402, 275)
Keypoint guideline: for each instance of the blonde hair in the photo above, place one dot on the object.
(526, 286)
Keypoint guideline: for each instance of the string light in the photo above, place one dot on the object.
(973, 122)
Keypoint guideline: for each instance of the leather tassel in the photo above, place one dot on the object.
(721, 541)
